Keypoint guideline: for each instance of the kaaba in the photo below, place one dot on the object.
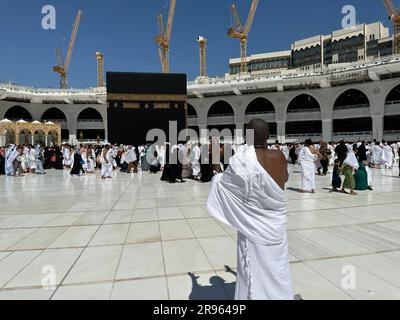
(140, 102)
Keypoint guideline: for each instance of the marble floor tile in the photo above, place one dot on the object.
(184, 256)
(141, 260)
(143, 289)
(98, 264)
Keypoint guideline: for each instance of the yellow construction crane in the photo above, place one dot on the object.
(164, 36)
(203, 55)
(241, 33)
(62, 69)
(394, 15)
(100, 69)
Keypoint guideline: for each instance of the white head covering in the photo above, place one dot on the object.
(351, 160)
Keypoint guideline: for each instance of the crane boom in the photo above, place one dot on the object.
(250, 18)
(203, 55)
(100, 69)
(62, 69)
(164, 36)
(72, 40)
(161, 25)
(395, 17)
(59, 57)
(390, 8)
(236, 18)
(171, 15)
(240, 33)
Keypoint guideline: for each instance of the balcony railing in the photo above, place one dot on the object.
(259, 113)
(352, 134)
(304, 135)
(90, 120)
(304, 110)
(221, 115)
(388, 103)
(353, 106)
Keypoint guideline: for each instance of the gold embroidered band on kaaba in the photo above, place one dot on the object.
(146, 97)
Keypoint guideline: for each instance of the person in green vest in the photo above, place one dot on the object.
(361, 178)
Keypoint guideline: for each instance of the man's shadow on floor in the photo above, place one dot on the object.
(218, 288)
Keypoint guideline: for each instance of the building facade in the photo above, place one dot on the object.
(361, 43)
(354, 96)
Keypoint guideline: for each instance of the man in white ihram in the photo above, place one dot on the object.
(249, 196)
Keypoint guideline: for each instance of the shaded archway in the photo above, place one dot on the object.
(260, 106)
(273, 128)
(16, 113)
(25, 136)
(39, 137)
(191, 112)
(300, 128)
(64, 134)
(7, 136)
(91, 134)
(394, 96)
(351, 99)
(352, 125)
(221, 109)
(90, 115)
(392, 123)
(52, 138)
(54, 115)
(304, 103)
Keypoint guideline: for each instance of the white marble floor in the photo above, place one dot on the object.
(134, 237)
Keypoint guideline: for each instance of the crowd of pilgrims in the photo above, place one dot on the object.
(196, 161)
(177, 162)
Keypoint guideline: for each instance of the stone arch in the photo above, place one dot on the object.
(17, 112)
(191, 111)
(221, 108)
(393, 95)
(304, 103)
(52, 137)
(39, 137)
(350, 99)
(7, 136)
(90, 114)
(24, 135)
(260, 106)
(53, 114)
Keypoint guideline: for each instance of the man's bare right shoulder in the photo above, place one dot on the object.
(276, 156)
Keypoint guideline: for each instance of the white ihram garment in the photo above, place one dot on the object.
(387, 156)
(376, 155)
(307, 162)
(68, 159)
(107, 165)
(246, 198)
(195, 160)
(286, 152)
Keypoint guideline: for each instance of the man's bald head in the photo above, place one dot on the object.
(261, 131)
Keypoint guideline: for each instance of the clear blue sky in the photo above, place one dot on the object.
(124, 30)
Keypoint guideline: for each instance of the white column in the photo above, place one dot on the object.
(377, 127)
(327, 130)
(239, 138)
(281, 131)
(203, 133)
